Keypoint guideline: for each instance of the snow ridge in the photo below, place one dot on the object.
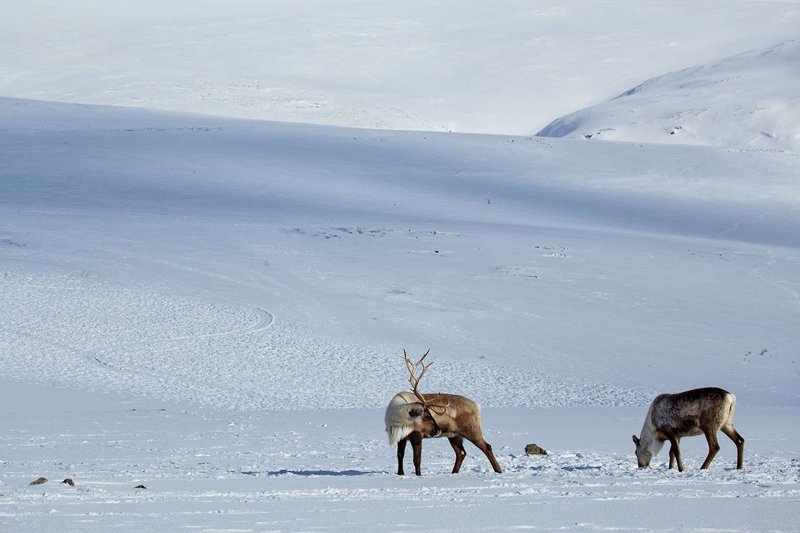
(745, 100)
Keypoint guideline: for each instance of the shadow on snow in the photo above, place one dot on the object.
(310, 473)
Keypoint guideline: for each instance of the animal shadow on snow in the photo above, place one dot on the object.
(310, 473)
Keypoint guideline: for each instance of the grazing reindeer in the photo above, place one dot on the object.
(412, 417)
(672, 416)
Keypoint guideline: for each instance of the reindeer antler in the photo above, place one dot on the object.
(414, 379)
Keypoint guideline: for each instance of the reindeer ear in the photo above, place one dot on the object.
(636, 440)
(415, 412)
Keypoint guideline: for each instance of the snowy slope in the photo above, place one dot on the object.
(748, 100)
(451, 242)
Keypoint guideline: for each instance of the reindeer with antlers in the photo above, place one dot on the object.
(412, 416)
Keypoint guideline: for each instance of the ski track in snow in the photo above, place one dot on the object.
(81, 332)
(263, 320)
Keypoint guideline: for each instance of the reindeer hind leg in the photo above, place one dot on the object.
(486, 448)
(457, 443)
(738, 440)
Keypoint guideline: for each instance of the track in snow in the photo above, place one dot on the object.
(159, 345)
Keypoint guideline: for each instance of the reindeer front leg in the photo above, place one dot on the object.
(675, 450)
(416, 445)
(713, 448)
(401, 452)
(672, 454)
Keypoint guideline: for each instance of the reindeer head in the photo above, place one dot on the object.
(643, 453)
(423, 421)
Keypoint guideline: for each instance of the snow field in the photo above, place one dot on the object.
(146, 343)
(215, 307)
(331, 469)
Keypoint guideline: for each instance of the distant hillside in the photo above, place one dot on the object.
(748, 100)
(506, 67)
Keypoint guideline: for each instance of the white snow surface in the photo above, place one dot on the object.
(215, 308)
(507, 66)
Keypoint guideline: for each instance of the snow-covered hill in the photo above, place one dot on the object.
(462, 239)
(748, 100)
(507, 67)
